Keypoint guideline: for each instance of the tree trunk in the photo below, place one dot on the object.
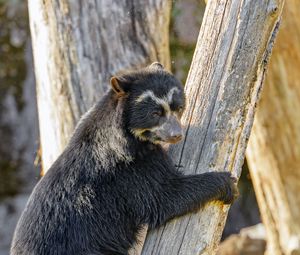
(274, 148)
(222, 89)
(78, 45)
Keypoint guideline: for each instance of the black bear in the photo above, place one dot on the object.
(114, 176)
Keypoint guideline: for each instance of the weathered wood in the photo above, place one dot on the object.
(274, 147)
(78, 45)
(250, 241)
(222, 89)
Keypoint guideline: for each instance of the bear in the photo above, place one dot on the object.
(115, 176)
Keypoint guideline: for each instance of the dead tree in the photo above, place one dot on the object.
(78, 46)
(273, 153)
(222, 89)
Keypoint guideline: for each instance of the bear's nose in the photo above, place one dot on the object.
(174, 138)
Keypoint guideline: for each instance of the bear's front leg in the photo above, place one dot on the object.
(182, 194)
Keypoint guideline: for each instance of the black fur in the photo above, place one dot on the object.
(108, 183)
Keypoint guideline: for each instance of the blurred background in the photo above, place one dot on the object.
(273, 149)
(18, 117)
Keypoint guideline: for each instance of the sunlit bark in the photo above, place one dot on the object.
(274, 148)
(222, 90)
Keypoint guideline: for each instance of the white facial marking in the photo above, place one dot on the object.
(170, 94)
(138, 133)
(158, 128)
(164, 102)
(160, 101)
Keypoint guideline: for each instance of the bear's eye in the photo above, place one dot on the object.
(157, 114)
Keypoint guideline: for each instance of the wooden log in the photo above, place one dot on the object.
(273, 152)
(222, 90)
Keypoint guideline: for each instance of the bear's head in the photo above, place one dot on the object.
(153, 103)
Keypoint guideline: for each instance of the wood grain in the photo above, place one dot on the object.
(78, 46)
(222, 89)
(273, 153)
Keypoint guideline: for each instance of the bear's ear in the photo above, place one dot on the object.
(157, 66)
(118, 86)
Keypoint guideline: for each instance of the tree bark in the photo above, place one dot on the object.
(222, 89)
(78, 45)
(274, 148)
